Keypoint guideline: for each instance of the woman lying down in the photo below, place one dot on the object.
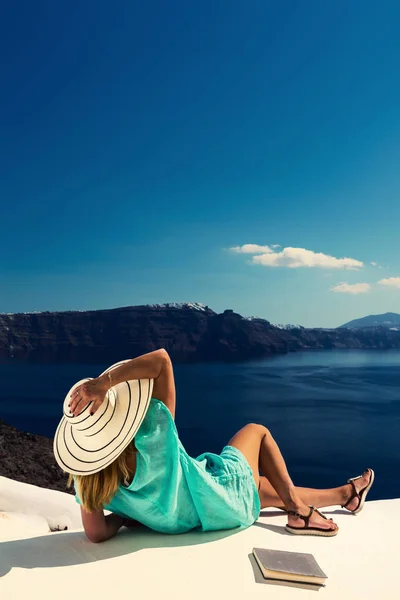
(118, 441)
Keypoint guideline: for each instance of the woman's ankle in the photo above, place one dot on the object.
(295, 505)
(345, 493)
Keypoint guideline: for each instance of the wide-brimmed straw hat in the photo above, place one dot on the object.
(86, 444)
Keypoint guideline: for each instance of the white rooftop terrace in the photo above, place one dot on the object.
(362, 562)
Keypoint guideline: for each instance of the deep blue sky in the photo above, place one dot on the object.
(139, 141)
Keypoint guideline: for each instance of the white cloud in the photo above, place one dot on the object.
(252, 249)
(294, 258)
(374, 264)
(390, 282)
(351, 288)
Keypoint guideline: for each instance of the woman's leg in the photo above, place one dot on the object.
(261, 451)
(310, 496)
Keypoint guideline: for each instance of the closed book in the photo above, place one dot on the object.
(289, 566)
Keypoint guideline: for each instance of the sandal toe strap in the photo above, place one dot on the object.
(320, 513)
(354, 478)
(354, 494)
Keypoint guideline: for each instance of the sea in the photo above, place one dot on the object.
(332, 413)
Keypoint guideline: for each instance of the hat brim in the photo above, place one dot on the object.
(86, 444)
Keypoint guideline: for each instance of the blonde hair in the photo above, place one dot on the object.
(98, 489)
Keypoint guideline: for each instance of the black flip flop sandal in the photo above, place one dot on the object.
(361, 495)
(306, 530)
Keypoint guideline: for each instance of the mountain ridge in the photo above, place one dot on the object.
(388, 320)
(190, 332)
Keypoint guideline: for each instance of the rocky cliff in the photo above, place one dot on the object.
(189, 332)
(29, 458)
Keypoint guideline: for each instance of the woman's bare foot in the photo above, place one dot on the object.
(359, 484)
(316, 520)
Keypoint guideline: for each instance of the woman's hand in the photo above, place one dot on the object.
(92, 391)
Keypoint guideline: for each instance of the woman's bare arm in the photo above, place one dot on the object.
(154, 365)
(99, 527)
(146, 366)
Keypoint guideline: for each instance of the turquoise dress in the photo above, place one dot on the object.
(174, 493)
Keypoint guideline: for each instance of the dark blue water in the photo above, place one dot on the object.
(332, 413)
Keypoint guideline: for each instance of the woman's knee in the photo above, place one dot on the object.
(256, 429)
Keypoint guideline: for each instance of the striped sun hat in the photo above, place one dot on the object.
(87, 444)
